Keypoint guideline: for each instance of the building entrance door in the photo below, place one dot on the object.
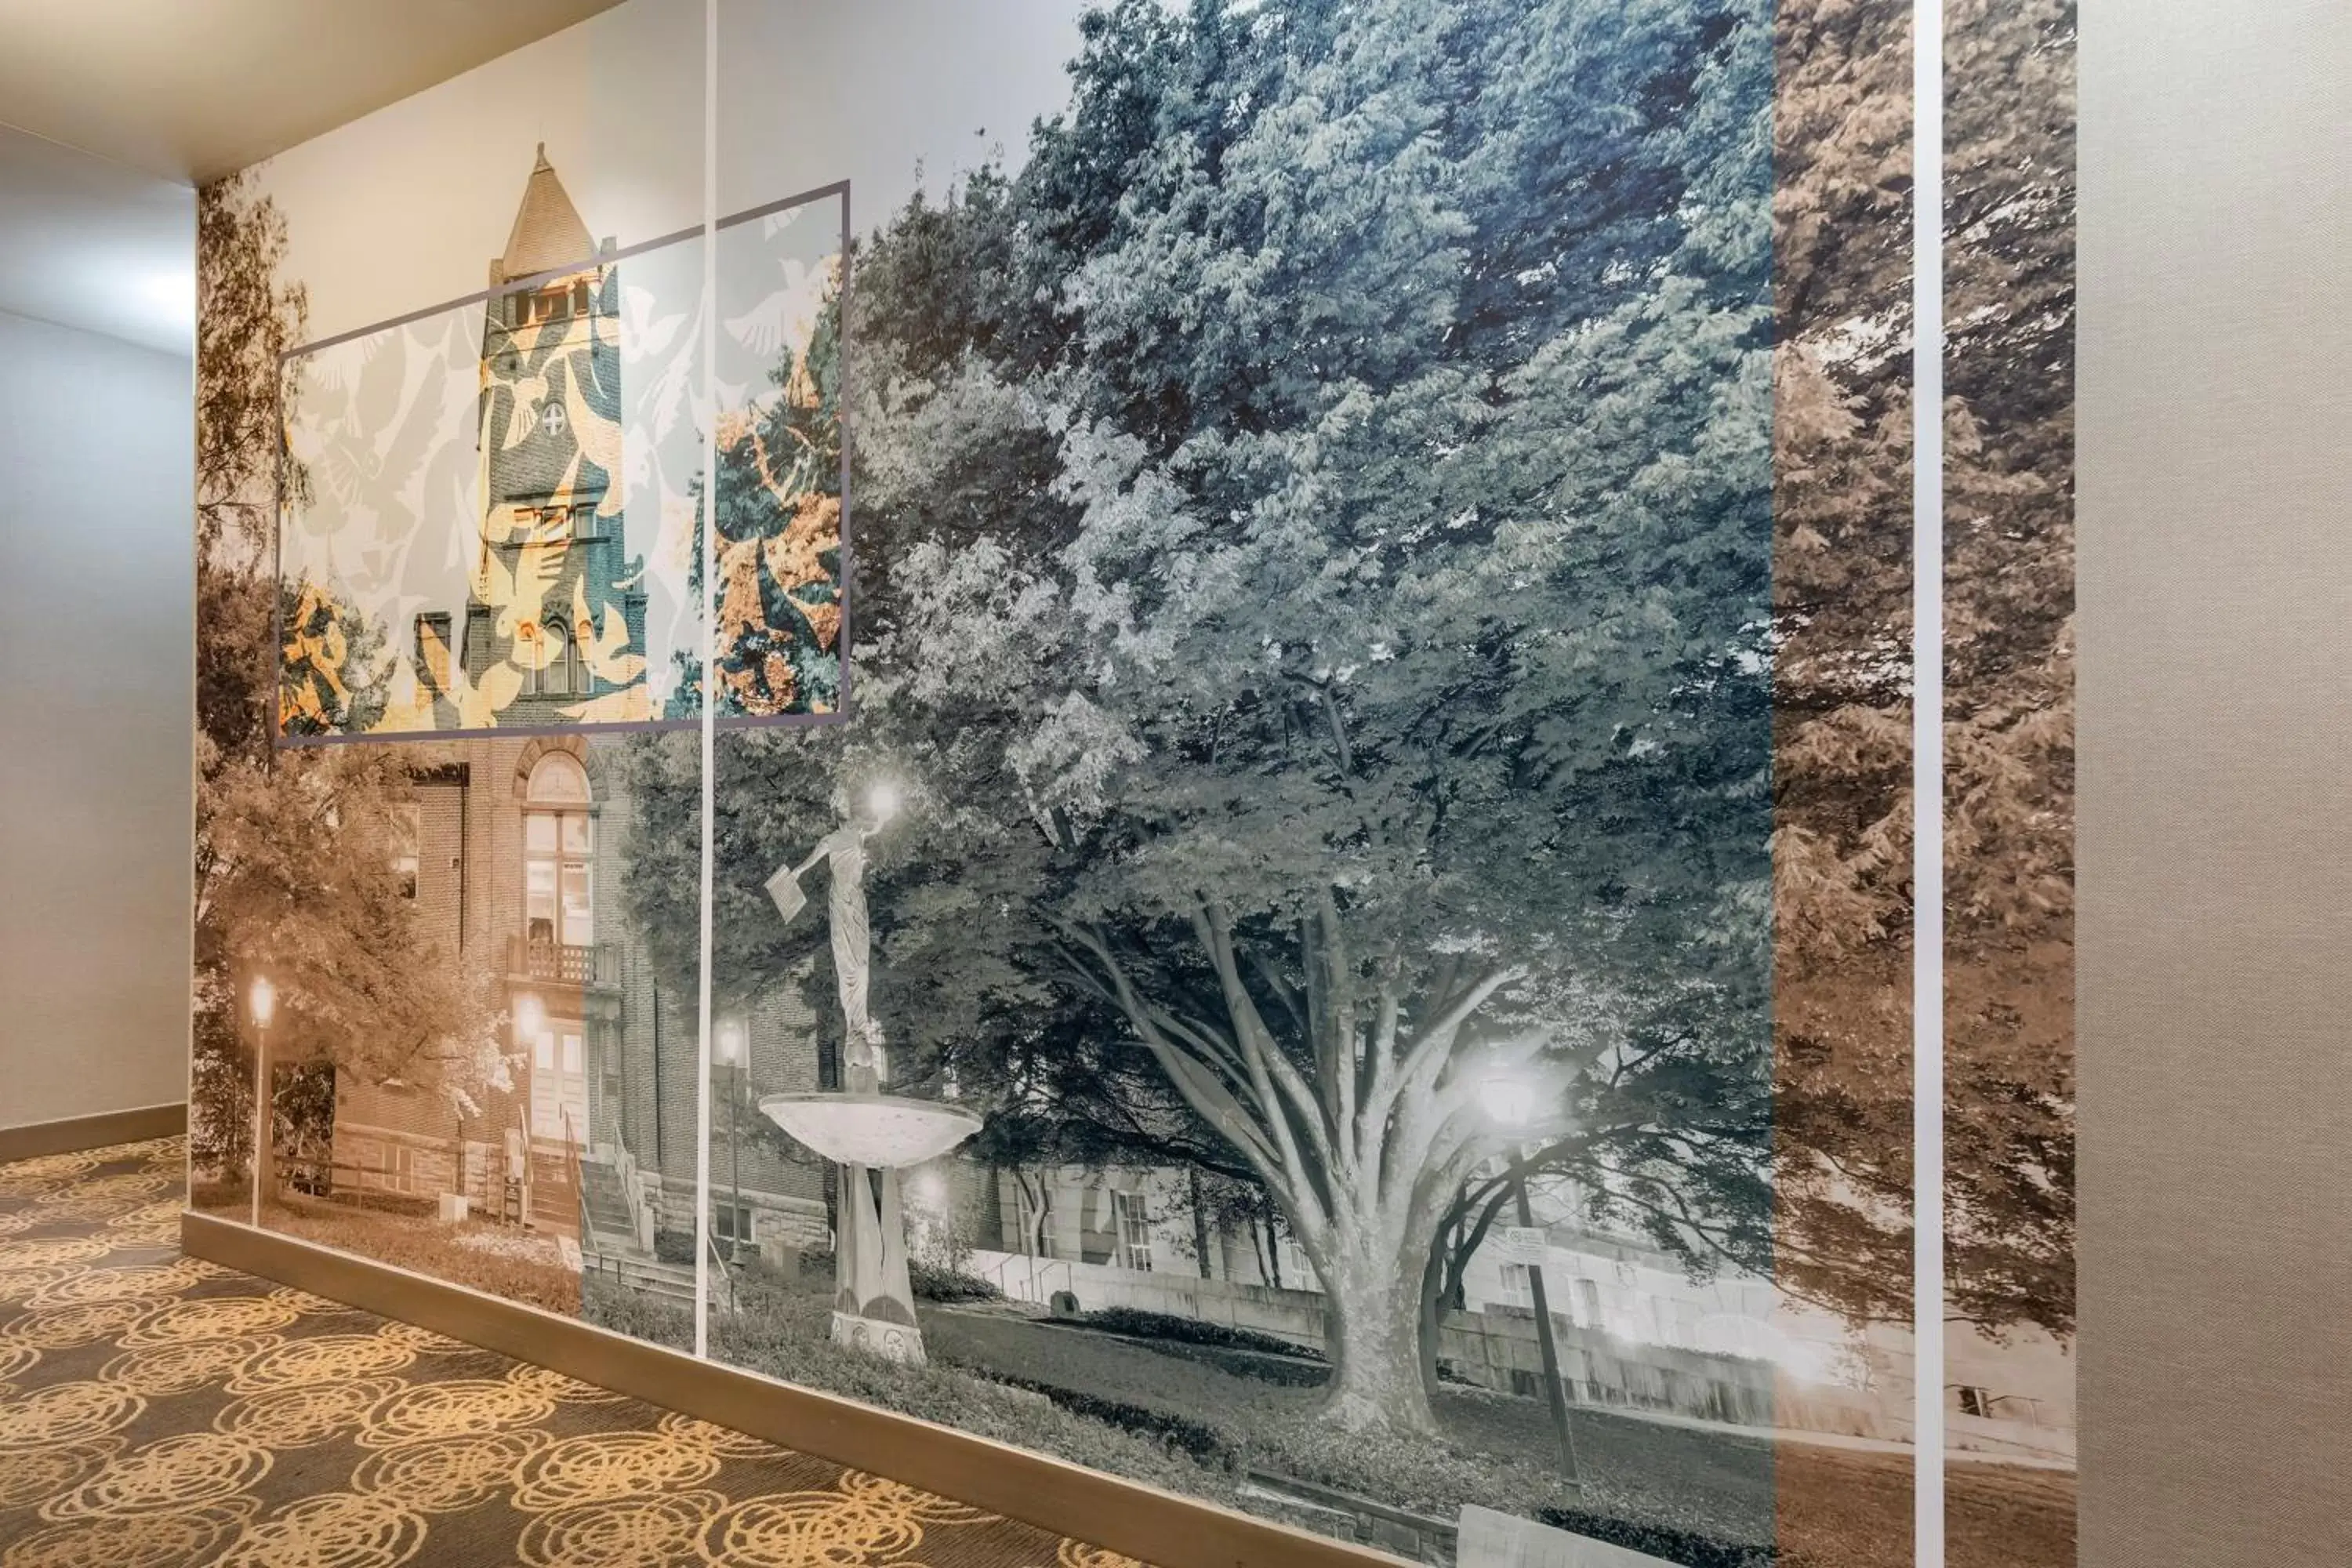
(558, 1085)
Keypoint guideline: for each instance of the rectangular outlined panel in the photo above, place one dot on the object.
(487, 511)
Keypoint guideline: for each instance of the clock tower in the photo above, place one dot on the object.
(554, 627)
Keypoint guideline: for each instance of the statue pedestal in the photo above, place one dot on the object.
(873, 1303)
(891, 1342)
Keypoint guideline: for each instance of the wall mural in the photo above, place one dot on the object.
(1303, 618)
(2008, 685)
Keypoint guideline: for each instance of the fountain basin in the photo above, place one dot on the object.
(885, 1131)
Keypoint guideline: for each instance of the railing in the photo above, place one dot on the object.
(561, 963)
(572, 1157)
(725, 1268)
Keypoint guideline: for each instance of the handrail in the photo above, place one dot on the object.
(713, 1243)
(579, 1183)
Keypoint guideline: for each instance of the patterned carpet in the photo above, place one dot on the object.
(159, 1411)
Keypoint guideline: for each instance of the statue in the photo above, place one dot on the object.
(874, 1301)
(865, 1063)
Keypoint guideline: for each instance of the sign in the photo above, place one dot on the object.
(1523, 1244)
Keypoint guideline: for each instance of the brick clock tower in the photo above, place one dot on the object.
(555, 616)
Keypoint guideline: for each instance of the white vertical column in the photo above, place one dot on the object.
(1927, 775)
(706, 394)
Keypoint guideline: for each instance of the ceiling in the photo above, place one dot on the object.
(191, 91)
(89, 244)
(110, 109)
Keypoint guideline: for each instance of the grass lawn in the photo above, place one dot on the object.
(1822, 1507)
(503, 1260)
(1499, 1449)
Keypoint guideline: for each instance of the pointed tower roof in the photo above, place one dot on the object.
(547, 231)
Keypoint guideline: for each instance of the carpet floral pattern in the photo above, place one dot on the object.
(159, 1411)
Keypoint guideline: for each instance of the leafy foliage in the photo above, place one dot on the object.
(1315, 596)
(1842, 826)
(2010, 651)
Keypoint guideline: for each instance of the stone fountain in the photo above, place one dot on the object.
(869, 1133)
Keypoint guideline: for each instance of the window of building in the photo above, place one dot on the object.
(1518, 1286)
(580, 298)
(1588, 1300)
(1133, 1222)
(433, 649)
(407, 832)
(558, 841)
(1972, 1400)
(729, 1222)
(552, 418)
(552, 675)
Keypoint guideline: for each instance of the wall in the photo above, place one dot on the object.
(2217, 767)
(95, 469)
(1205, 394)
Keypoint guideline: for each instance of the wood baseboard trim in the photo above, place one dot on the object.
(1156, 1527)
(79, 1132)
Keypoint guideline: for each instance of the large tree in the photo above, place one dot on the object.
(1314, 587)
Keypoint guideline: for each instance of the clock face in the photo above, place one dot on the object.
(550, 419)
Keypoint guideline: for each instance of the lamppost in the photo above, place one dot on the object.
(1510, 1104)
(729, 1043)
(261, 1000)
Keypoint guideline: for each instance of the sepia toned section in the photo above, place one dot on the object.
(1842, 759)
(2009, 961)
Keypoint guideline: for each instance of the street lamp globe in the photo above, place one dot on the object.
(263, 998)
(729, 1041)
(883, 801)
(530, 1016)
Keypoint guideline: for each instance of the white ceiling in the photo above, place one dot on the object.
(110, 108)
(191, 89)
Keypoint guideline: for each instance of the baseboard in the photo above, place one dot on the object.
(79, 1132)
(1157, 1527)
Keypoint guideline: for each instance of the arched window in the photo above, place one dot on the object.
(558, 847)
(553, 676)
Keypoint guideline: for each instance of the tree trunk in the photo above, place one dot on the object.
(1431, 1315)
(1372, 1312)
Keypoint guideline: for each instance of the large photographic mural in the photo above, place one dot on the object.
(1258, 653)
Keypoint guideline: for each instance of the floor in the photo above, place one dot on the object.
(157, 1411)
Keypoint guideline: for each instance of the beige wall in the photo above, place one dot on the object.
(96, 659)
(2216, 769)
